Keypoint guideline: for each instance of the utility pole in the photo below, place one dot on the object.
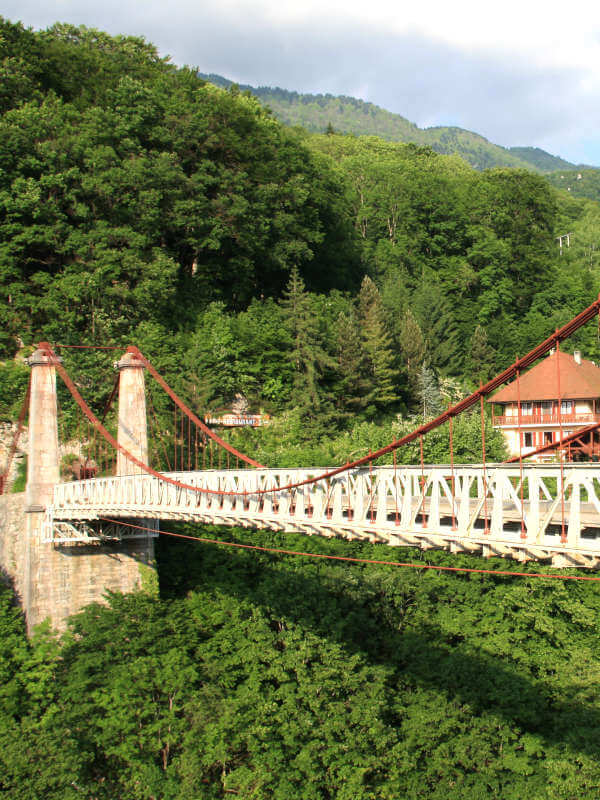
(567, 237)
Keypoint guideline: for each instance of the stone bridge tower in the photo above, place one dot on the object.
(53, 581)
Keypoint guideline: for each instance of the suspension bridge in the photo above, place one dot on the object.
(66, 542)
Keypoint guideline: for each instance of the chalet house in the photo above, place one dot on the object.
(541, 414)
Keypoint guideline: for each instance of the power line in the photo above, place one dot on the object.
(204, 540)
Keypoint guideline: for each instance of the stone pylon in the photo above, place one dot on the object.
(54, 579)
(132, 432)
(43, 467)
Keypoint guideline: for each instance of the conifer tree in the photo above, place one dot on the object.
(412, 344)
(309, 359)
(352, 385)
(481, 356)
(377, 344)
(429, 390)
(438, 320)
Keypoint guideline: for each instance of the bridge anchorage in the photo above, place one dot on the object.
(66, 543)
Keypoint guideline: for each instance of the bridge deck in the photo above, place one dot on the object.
(466, 509)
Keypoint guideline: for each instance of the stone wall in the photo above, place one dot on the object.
(53, 581)
(65, 578)
(7, 433)
(12, 541)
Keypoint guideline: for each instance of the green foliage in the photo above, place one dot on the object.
(132, 188)
(276, 676)
(14, 377)
(376, 341)
(429, 392)
(481, 357)
(413, 348)
(582, 182)
(20, 481)
(539, 159)
(350, 115)
(467, 443)
(308, 358)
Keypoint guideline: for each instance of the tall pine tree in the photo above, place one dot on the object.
(377, 343)
(309, 359)
(412, 345)
(352, 386)
(482, 356)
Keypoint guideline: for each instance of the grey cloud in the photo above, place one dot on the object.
(508, 101)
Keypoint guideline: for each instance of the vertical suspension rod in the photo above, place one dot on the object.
(452, 474)
(519, 423)
(563, 535)
(486, 529)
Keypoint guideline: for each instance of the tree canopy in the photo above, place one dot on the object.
(350, 287)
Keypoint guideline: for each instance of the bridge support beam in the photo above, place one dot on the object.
(132, 433)
(43, 465)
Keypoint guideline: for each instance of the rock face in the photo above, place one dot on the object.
(7, 433)
(240, 405)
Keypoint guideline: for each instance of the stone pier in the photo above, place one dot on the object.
(53, 581)
(132, 432)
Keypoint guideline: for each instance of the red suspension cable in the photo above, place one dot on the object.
(452, 484)
(559, 335)
(157, 429)
(190, 414)
(396, 518)
(533, 355)
(423, 484)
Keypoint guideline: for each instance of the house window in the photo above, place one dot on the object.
(566, 406)
(526, 409)
(546, 406)
(528, 439)
(547, 437)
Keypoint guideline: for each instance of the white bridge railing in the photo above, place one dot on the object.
(466, 509)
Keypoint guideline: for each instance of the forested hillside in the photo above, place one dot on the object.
(349, 286)
(541, 160)
(282, 678)
(320, 112)
(579, 182)
(142, 204)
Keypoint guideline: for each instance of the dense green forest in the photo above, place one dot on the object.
(318, 112)
(542, 160)
(349, 286)
(264, 676)
(345, 278)
(579, 182)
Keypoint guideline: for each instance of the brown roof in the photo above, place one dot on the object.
(577, 381)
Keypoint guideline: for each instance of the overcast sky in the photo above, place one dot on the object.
(524, 73)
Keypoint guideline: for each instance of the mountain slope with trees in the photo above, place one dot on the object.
(541, 160)
(349, 115)
(350, 286)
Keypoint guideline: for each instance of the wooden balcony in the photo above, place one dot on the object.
(527, 420)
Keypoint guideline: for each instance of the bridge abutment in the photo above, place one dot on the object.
(55, 579)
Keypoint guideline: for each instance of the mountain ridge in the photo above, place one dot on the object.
(319, 112)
